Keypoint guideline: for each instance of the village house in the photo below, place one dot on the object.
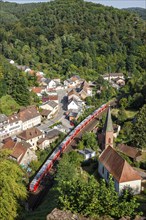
(43, 143)
(73, 94)
(85, 90)
(74, 104)
(46, 114)
(51, 106)
(31, 136)
(52, 135)
(38, 91)
(73, 82)
(111, 163)
(3, 125)
(113, 76)
(29, 116)
(133, 153)
(20, 152)
(51, 84)
(87, 153)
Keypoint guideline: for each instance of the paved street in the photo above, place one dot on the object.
(60, 115)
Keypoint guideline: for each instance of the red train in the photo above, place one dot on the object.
(60, 149)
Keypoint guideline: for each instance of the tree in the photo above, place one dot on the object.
(12, 189)
(139, 129)
(8, 105)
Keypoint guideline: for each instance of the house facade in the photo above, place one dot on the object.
(124, 176)
(31, 136)
(30, 117)
(20, 152)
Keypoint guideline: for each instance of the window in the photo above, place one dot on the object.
(109, 140)
(103, 170)
(107, 175)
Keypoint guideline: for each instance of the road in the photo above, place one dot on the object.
(60, 115)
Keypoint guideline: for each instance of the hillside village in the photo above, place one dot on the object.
(34, 127)
(30, 128)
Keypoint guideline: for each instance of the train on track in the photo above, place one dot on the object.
(46, 167)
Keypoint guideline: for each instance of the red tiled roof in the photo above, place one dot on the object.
(20, 149)
(30, 134)
(129, 151)
(9, 144)
(117, 166)
(37, 89)
(28, 113)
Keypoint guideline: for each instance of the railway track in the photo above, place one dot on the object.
(36, 198)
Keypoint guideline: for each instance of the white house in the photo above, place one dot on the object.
(30, 117)
(31, 136)
(113, 76)
(110, 162)
(51, 84)
(87, 153)
(73, 104)
(14, 125)
(51, 106)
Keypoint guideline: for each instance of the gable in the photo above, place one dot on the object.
(117, 166)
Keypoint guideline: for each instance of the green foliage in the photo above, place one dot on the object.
(89, 140)
(13, 83)
(8, 105)
(12, 188)
(69, 37)
(90, 198)
(139, 129)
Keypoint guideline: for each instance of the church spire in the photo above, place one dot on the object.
(108, 131)
(109, 123)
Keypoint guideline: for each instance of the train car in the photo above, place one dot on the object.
(60, 149)
(38, 177)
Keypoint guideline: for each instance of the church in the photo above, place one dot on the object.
(111, 163)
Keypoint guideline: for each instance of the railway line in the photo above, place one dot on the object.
(43, 180)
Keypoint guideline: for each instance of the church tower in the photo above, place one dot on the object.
(108, 131)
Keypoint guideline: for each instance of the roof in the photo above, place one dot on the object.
(129, 151)
(53, 133)
(20, 149)
(9, 144)
(3, 118)
(117, 166)
(41, 140)
(29, 134)
(37, 89)
(52, 104)
(13, 118)
(28, 113)
(108, 122)
(73, 92)
(45, 112)
(113, 74)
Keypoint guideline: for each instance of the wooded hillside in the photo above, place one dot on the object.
(73, 37)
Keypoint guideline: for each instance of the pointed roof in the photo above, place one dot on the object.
(108, 122)
(117, 166)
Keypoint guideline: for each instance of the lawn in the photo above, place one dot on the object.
(129, 113)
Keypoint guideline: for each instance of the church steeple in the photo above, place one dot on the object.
(109, 123)
(108, 131)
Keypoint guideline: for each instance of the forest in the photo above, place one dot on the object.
(73, 37)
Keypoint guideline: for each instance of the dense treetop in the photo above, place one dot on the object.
(67, 37)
